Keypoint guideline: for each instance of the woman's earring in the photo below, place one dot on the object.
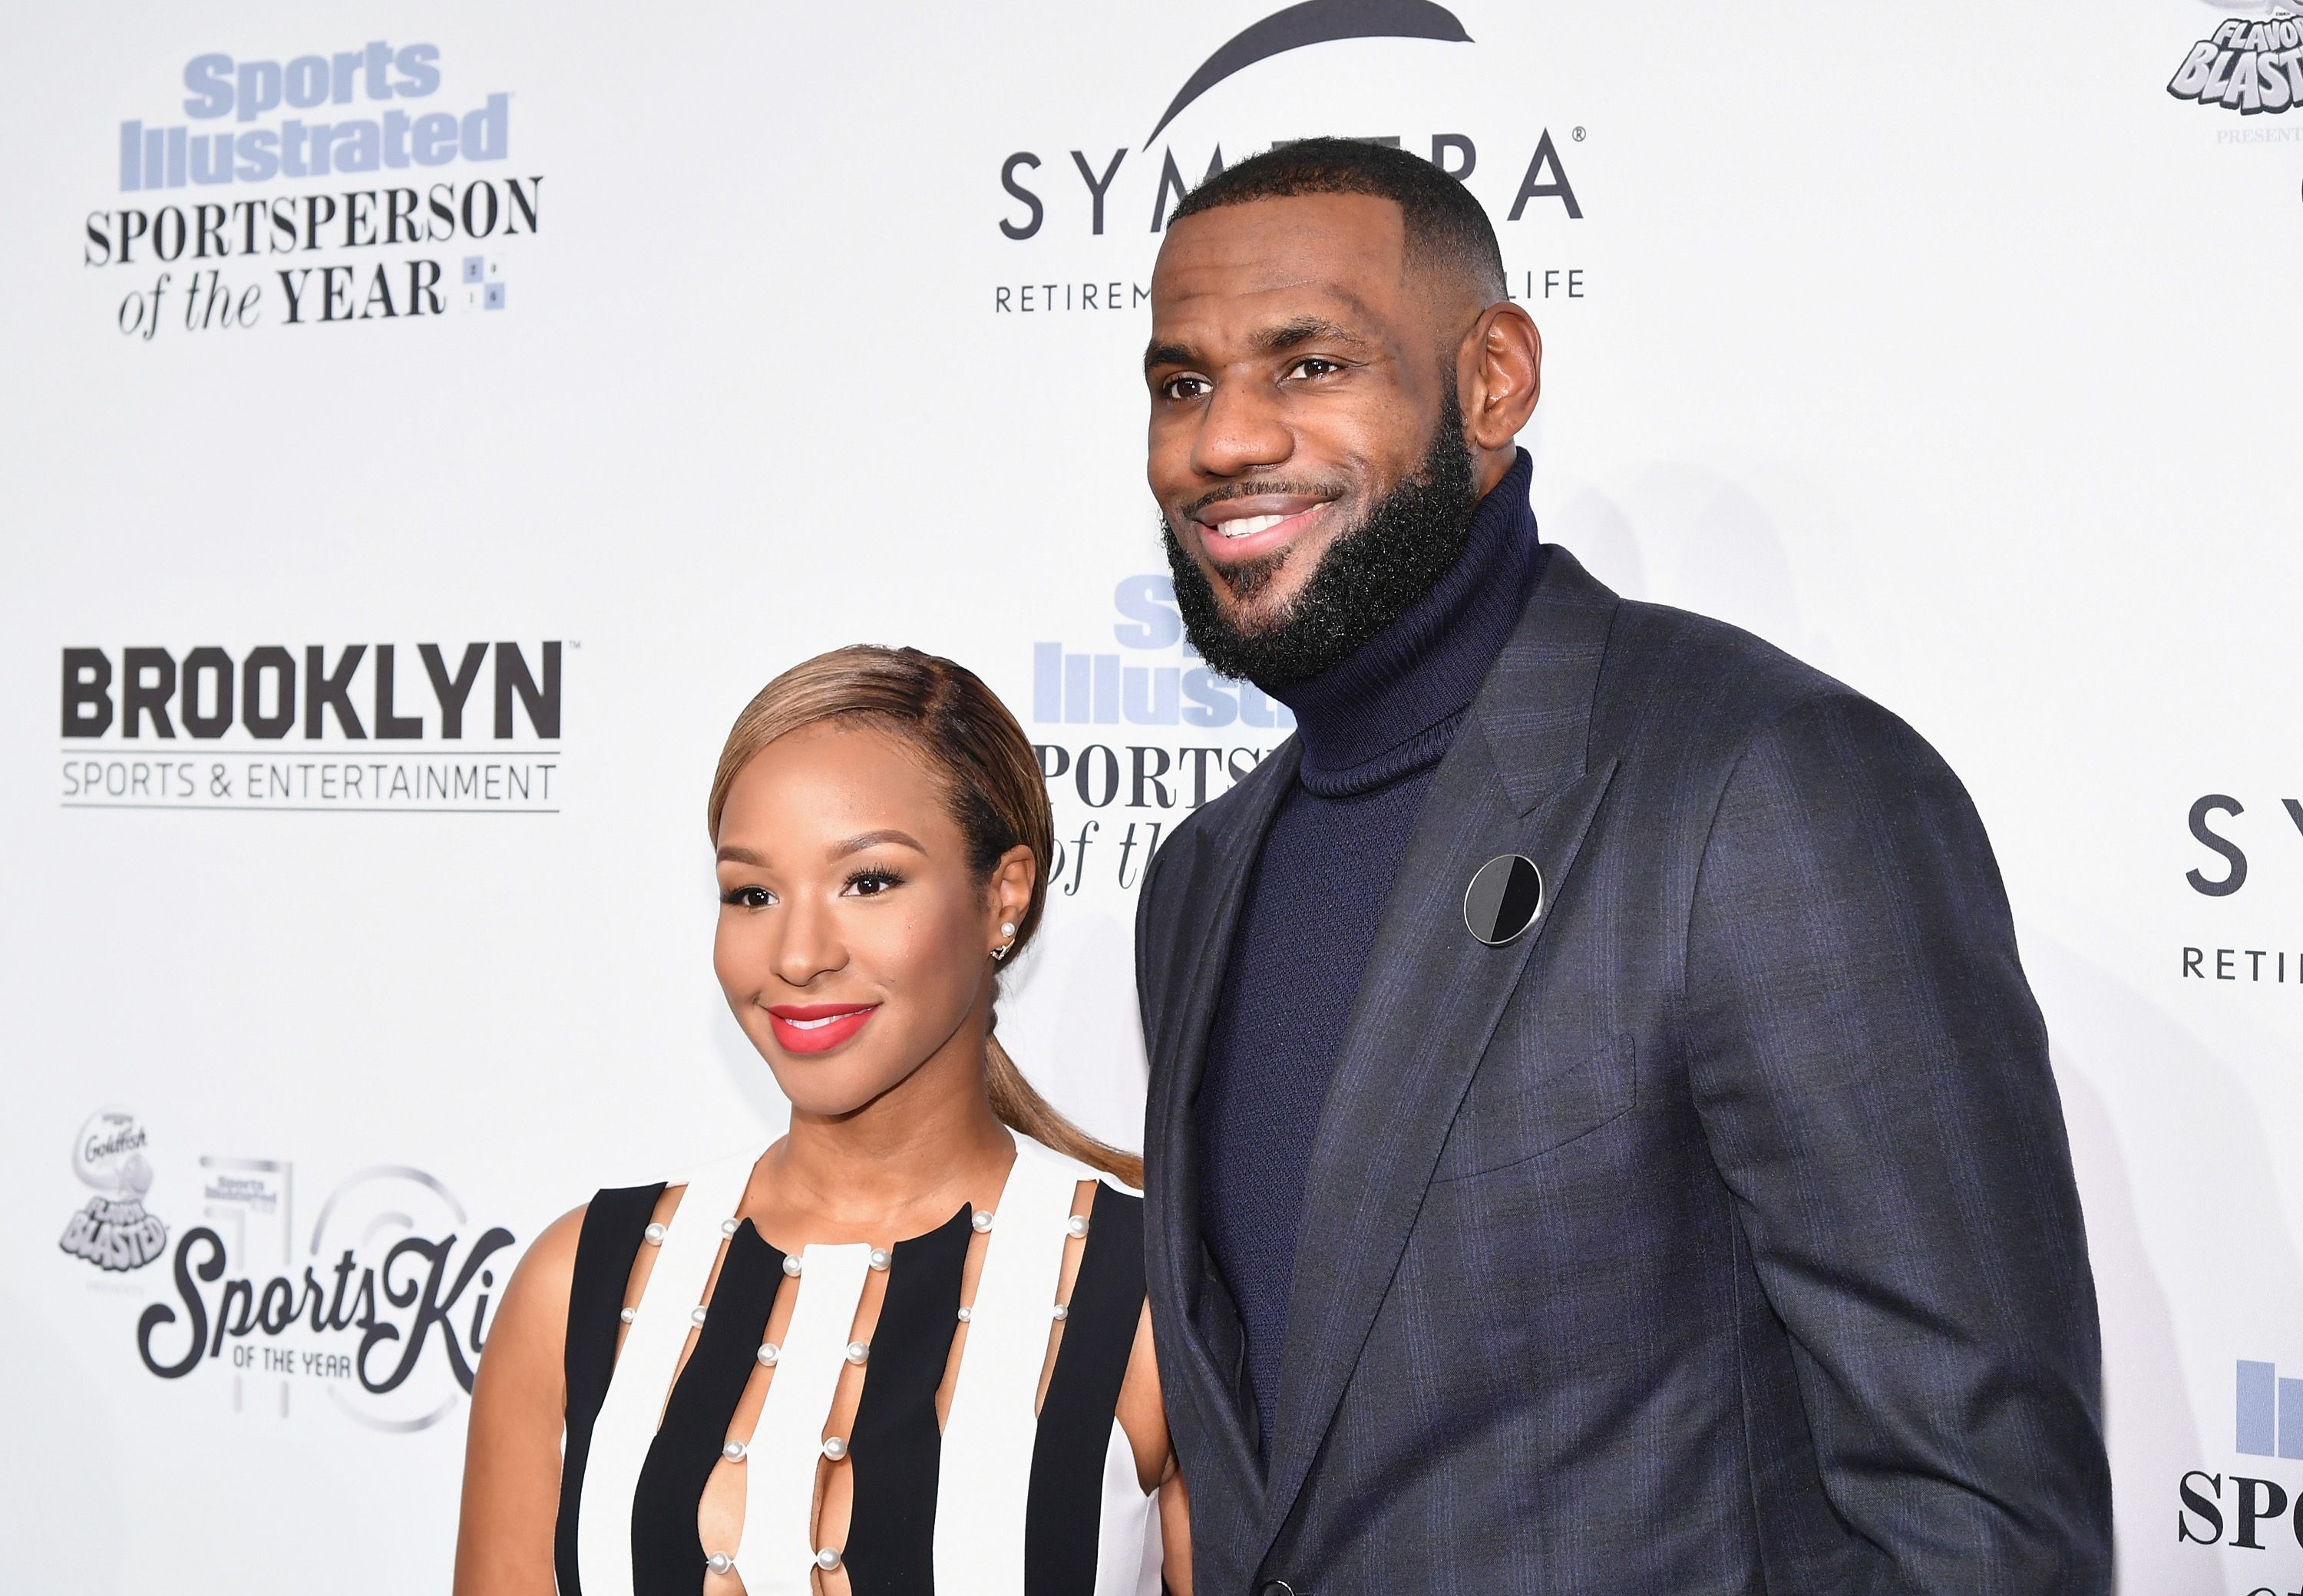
(1008, 930)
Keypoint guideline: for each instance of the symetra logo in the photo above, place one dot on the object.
(1135, 182)
(2249, 67)
(1315, 22)
(339, 116)
(1179, 735)
(471, 727)
(2236, 838)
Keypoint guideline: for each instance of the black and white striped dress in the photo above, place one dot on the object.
(998, 1501)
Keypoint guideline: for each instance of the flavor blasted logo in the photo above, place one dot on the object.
(113, 1232)
(2246, 66)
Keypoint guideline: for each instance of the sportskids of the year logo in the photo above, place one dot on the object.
(2244, 66)
(114, 1231)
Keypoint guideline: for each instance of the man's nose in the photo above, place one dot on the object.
(1242, 430)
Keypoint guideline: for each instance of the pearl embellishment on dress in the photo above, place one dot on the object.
(879, 1258)
(768, 1353)
(696, 1316)
(733, 1451)
(791, 1265)
(982, 1223)
(835, 1448)
(719, 1562)
(654, 1234)
(857, 1351)
(827, 1559)
(628, 1314)
(1076, 1225)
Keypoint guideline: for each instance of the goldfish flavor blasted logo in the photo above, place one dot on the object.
(114, 1231)
(2247, 67)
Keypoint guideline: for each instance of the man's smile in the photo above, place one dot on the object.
(1235, 531)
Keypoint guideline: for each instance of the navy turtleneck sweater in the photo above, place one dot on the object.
(1373, 730)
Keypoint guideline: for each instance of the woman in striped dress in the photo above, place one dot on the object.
(905, 1349)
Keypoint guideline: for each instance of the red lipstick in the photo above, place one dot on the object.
(817, 1027)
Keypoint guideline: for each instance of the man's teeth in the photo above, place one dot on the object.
(1247, 525)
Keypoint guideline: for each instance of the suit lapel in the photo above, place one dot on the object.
(1208, 900)
(1514, 781)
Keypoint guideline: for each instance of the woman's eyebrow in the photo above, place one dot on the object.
(862, 840)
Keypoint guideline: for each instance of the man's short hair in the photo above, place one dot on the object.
(1447, 228)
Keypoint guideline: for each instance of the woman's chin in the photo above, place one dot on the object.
(825, 1091)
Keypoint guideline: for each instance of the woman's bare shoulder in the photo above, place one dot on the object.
(533, 1318)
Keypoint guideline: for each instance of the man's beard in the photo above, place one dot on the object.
(1366, 579)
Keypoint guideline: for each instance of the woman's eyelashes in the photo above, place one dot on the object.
(871, 880)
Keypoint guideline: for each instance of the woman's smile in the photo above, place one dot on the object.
(817, 1027)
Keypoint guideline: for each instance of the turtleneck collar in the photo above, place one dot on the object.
(1392, 705)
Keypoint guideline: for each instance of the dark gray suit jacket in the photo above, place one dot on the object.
(1717, 1234)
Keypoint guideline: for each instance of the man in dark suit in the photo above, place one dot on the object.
(1600, 1137)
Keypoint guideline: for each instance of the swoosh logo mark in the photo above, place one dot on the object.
(1315, 22)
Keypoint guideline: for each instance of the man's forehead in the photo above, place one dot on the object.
(1338, 257)
(1232, 302)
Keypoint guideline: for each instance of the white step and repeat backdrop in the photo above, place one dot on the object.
(425, 425)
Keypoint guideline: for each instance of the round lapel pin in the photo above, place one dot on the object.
(1503, 899)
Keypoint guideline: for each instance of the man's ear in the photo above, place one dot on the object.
(1499, 375)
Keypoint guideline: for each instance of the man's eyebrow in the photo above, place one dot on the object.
(1303, 330)
(1277, 340)
(1167, 354)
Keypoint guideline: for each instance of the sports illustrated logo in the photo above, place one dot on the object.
(465, 728)
(2269, 1413)
(401, 246)
(2237, 1511)
(1116, 184)
(2216, 826)
(2249, 67)
(385, 1305)
(1178, 735)
(114, 1231)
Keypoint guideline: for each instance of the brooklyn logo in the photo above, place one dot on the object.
(114, 1231)
(2244, 66)
(358, 728)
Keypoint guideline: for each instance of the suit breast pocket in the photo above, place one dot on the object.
(1535, 1097)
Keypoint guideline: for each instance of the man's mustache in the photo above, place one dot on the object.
(1253, 490)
